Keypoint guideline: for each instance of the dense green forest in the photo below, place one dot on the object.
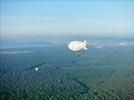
(96, 74)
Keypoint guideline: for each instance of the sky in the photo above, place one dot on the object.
(29, 17)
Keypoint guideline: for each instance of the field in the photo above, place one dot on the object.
(105, 73)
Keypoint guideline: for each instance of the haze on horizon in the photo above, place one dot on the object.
(67, 17)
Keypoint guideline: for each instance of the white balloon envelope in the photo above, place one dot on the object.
(77, 45)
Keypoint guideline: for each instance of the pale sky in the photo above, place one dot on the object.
(67, 17)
